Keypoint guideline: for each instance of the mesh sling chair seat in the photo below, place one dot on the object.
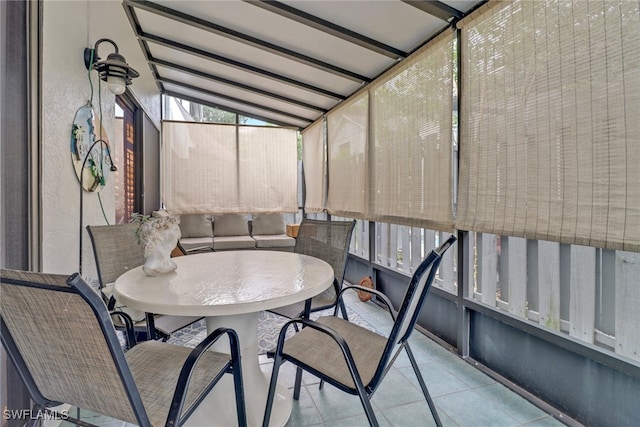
(58, 333)
(116, 251)
(329, 241)
(351, 357)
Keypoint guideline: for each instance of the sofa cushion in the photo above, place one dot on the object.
(193, 243)
(274, 241)
(196, 225)
(225, 243)
(267, 224)
(230, 225)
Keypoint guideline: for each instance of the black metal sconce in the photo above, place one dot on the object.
(114, 70)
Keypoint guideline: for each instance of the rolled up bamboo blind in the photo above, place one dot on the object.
(347, 128)
(268, 169)
(313, 159)
(550, 122)
(213, 168)
(411, 140)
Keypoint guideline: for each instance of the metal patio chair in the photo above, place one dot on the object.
(329, 241)
(351, 357)
(116, 251)
(59, 335)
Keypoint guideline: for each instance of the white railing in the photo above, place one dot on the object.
(402, 248)
(360, 240)
(588, 293)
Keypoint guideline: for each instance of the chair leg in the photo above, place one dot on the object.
(35, 421)
(343, 309)
(363, 395)
(306, 314)
(297, 384)
(366, 404)
(239, 390)
(277, 361)
(151, 327)
(423, 386)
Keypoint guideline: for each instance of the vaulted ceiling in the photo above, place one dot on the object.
(285, 62)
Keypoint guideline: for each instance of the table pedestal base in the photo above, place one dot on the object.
(218, 408)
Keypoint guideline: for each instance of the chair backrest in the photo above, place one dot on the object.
(59, 334)
(327, 240)
(413, 301)
(116, 250)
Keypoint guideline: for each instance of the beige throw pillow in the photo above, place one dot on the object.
(268, 224)
(196, 225)
(230, 225)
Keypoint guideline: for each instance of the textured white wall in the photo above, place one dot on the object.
(69, 27)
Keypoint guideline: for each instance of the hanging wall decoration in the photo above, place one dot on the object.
(90, 150)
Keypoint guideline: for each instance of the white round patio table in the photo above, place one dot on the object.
(230, 289)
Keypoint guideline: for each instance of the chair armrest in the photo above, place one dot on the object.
(189, 365)
(128, 324)
(376, 292)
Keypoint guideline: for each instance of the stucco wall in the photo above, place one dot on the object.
(69, 27)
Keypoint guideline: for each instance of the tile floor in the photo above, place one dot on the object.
(464, 396)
